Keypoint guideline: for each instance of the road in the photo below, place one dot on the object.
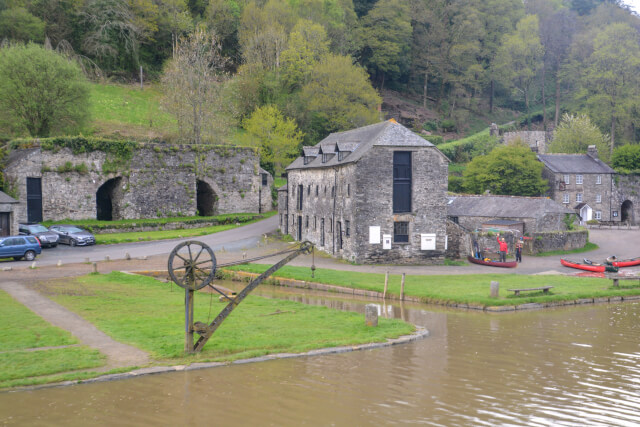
(231, 240)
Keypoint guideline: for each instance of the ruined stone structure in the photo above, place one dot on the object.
(375, 194)
(582, 182)
(8, 219)
(537, 140)
(150, 180)
(627, 197)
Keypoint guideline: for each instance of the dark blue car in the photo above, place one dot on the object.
(19, 247)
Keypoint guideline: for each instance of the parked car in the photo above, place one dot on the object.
(73, 236)
(48, 239)
(19, 247)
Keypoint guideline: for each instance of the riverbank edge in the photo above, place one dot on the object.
(294, 283)
(420, 333)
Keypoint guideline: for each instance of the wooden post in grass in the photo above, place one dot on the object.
(495, 289)
(402, 288)
(386, 285)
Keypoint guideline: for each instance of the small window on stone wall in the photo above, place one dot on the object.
(317, 190)
(348, 190)
(401, 232)
(347, 228)
(306, 223)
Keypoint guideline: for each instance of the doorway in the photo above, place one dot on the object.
(207, 199)
(5, 227)
(34, 199)
(627, 212)
(105, 199)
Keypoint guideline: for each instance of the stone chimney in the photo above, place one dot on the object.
(592, 151)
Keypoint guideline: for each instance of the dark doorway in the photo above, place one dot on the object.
(104, 199)
(627, 212)
(34, 199)
(207, 202)
(339, 234)
(5, 229)
(401, 181)
(299, 229)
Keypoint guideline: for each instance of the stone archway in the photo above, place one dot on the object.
(626, 214)
(105, 198)
(207, 199)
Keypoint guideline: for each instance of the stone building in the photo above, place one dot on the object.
(582, 182)
(55, 182)
(8, 219)
(375, 194)
(520, 215)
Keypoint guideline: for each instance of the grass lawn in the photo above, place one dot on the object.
(466, 289)
(136, 236)
(20, 330)
(149, 314)
(588, 247)
(128, 109)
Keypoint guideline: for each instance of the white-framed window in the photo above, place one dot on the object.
(565, 198)
(579, 179)
(579, 198)
(598, 179)
(598, 198)
(567, 179)
(598, 214)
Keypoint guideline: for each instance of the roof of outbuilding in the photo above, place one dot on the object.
(359, 141)
(5, 198)
(503, 206)
(574, 163)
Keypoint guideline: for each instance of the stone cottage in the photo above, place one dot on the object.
(520, 215)
(375, 194)
(582, 182)
(8, 219)
(70, 179)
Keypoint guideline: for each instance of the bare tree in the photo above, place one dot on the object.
(193, 87)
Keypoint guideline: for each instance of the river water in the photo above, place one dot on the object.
(565, 366)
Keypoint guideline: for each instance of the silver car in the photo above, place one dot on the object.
(73, 236)
(48, 239)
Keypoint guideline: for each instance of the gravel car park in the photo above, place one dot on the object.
(73, 236)
(48, 239)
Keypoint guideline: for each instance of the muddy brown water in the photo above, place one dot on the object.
(566, 366)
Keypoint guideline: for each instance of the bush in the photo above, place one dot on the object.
(448, 125)
(456, 184)
(626, 157)
(431, 126)
(435, 139)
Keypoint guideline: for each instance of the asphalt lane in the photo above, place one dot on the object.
(233, 240)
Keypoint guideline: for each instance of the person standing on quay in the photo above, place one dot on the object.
(503, 248)
(519, 245)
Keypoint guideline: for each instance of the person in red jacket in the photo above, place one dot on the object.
(503, 248)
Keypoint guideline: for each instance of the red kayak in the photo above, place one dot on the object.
(626, 262)
(510, 264)
(598, 268)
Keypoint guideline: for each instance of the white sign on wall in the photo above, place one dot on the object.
(374, 234)
(386, 241)
(428, 242)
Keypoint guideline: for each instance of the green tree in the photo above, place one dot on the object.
(509, 170)
(385, 36)
(193, 88)
(520, 57)
(20, 25)
(610, 83)
(626, 157)
(338, 97)
(307, 46)
(576, 133)
(41, 91)
(276, 136)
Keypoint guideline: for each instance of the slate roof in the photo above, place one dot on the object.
(5, 198)
(359, 141)
(574, 163)
(503, 206)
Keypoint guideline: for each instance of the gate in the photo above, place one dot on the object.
(34, 199)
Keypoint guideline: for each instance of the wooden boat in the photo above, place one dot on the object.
(598, 268)
(510, 264)
(626, 262)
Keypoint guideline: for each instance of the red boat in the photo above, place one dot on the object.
(598, 268)
(626, 262)
(510, 264)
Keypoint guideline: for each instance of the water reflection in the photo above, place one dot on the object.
(572, 366)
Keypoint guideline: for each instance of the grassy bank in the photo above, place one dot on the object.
(26, 356)
(462, 289)
(587, 248)
(149, 314)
